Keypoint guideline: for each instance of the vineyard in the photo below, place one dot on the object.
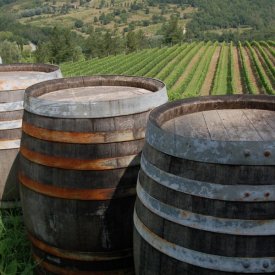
(192, 69)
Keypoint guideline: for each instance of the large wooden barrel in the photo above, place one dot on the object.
(13, 80)
(206, 189)
(80, 157)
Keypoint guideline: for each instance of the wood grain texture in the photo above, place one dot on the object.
(215, 243)
(81, 173)
(14, 79)
(36, 103)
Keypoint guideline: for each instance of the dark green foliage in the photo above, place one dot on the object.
(62, 45)
(100, 44)
(171, 31)
(216, 14)
(5, 2)
(23, 33)
(9, 51)
(78, 23)
(135, 41)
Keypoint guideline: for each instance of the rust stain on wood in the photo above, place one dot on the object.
(82, 138)
(80, 256)
(81, 164)
(75, 193)
(65, 271)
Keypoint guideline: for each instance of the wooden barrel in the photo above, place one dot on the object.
(13, 80)
(80, 157)
(206, 189)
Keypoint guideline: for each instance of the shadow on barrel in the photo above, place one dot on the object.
(101, 234)
(10, 185)
(117, 221)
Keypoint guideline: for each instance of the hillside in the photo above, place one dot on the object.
(82, 29)
(193, 69)
(80, 15)
(233, 19)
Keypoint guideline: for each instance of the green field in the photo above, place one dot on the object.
(194, 69)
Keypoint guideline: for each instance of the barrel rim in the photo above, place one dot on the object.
(95, 109)
(36, 67)
(207, 150)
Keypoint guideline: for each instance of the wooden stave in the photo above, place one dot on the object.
(9, 191)
(159, 225)
(137, 119)
(115, 148)
(98, 109)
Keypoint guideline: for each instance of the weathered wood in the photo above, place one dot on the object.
(35, 103)
(96, 93)
(81, 173)
(13, 81)
(197, 217)
(214, 124)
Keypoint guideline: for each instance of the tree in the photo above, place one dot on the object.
(9, 51)
(135, 40)
(171, 31)
(61, 46)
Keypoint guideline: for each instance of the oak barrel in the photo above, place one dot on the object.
(206, 189)
(14, 79)
(80, 157)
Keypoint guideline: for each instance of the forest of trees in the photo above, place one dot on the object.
(228, 14)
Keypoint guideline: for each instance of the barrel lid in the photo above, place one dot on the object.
(21, 75)
(95, 97)
(238, 129)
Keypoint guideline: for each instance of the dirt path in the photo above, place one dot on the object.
(249, 68)
(207, 84)
(193, 61)
(237, 71)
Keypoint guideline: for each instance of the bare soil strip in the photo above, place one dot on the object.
(237, 70)
(249, 65)
(207, 84)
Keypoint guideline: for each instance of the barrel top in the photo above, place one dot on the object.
(225, 125)
(95, 93)
(20, 76)
(95, 97)
(216, 129)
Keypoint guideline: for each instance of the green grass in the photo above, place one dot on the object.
(15, 253)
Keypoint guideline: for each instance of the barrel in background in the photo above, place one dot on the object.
(80, 157)
(14, 79)
(206, 189)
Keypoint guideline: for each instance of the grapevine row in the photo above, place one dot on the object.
(198, 78)
(231, 71)
(178, 70)
(220, 80)
(265, 57)
(268, 47)
(262, 75)
(179, 89)
(250, 86)
(129, 61)
(165, 60)
(166, 70)
(132, 70)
